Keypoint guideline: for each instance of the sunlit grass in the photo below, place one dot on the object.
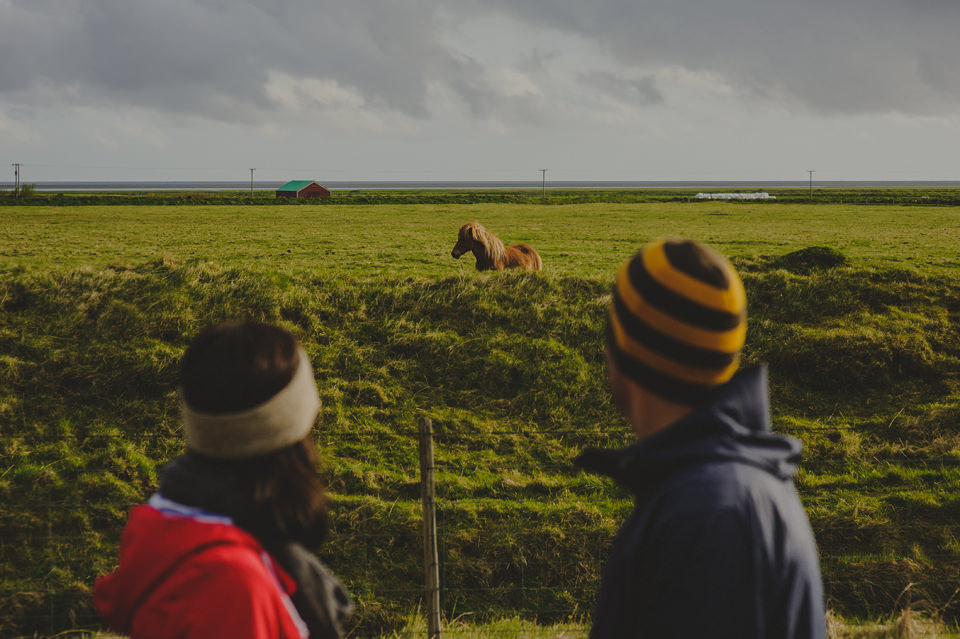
(97, 304)
(368, 241)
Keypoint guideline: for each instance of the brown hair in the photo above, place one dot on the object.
(234, 367)
(289, 501)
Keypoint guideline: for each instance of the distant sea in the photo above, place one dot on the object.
(457, 185)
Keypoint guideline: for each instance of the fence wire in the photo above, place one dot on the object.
(883, 576)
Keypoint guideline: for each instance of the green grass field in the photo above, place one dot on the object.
(97, 304)
(586, 240)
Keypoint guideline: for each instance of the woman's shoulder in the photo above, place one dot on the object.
(232, 576)
(201, 550)
(237, 562)
(229, 577)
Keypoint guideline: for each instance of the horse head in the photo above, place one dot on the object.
(468, 236)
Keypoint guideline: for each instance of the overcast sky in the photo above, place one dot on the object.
(480, 90)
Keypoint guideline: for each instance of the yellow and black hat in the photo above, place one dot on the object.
(677, 320)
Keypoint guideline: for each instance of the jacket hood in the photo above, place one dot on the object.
(733, 426)
(154, 544)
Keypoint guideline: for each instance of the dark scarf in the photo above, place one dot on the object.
(212, 485)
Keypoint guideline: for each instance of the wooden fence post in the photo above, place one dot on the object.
(431, 563)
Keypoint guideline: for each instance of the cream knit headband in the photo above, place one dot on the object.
(284, 419)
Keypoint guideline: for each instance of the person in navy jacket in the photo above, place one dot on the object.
(718, 544)
(222, 549)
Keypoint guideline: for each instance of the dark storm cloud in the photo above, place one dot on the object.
(832, 56)
(214, 57)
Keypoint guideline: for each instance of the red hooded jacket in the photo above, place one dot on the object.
(188, 574)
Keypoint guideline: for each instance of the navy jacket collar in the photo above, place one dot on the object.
(733, 426)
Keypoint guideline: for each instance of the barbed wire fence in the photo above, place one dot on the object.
(884, 596)
(537, 586)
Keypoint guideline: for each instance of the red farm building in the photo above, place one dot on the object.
(298, 189)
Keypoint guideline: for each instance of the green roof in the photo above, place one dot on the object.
(295, 185)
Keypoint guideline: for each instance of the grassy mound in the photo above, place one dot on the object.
(810, 258)
(865, 368)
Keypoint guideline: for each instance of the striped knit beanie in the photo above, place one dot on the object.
(677, 320)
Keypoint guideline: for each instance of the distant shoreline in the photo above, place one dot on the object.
(269, 185)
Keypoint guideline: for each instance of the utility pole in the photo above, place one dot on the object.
(251, 183)
(811, 171)
(543, 173)
(16, 173)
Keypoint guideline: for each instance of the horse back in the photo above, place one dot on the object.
(523, 256)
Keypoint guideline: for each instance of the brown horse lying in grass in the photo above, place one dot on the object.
(490, 251)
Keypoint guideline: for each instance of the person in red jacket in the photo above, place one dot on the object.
(221, 550)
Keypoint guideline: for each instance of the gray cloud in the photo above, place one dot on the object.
(846, 56)
(637, 92)
(488, 95)
(214, 58)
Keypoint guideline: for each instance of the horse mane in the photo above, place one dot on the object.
(493, 249)
(491, 252)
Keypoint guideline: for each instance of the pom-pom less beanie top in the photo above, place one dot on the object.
(677, 320)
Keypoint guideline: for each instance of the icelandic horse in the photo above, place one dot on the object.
(491, 253)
